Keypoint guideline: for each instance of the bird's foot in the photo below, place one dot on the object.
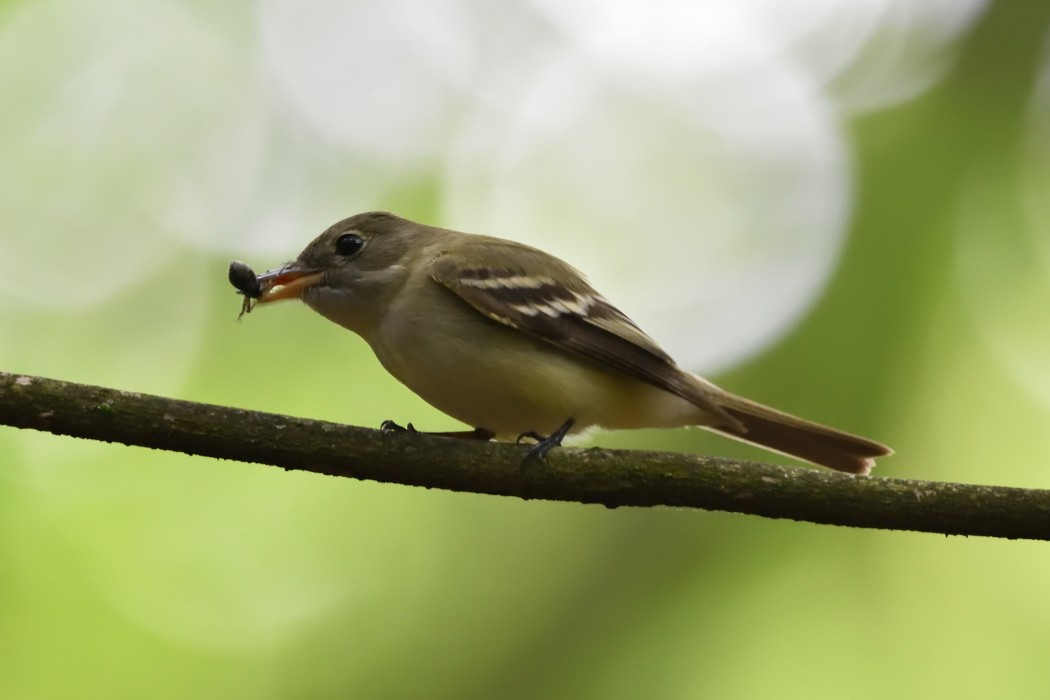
(389, 426)
(545, 443)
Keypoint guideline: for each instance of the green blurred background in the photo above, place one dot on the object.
(836, 208)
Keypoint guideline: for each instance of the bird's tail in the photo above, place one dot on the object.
(781, 432)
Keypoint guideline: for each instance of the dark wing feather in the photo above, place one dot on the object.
(520, 291)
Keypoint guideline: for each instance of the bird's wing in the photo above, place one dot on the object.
(536, 293)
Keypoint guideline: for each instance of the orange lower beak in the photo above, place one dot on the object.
(287, 282)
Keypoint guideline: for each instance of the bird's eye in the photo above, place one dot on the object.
(349, 244)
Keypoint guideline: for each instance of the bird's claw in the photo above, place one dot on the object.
(389, 426)
(544, 443)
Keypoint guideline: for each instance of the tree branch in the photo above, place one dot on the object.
(610, 477)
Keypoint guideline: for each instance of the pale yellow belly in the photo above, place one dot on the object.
(494, 377)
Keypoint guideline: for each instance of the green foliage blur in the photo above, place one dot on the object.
(133, 573)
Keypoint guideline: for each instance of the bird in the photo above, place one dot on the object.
(515, 342)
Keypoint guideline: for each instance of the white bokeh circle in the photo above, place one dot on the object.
(710, 214)
(96, 140)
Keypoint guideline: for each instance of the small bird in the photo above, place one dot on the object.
(515, 342)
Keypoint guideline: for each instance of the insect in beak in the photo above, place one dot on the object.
(286, 282)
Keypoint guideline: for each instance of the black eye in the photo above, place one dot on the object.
(349, 244)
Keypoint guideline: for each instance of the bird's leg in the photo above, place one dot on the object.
(475, 434)
(545, 444)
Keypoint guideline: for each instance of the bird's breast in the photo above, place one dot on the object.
(492, 376)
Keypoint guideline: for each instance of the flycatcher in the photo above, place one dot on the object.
(513, 341)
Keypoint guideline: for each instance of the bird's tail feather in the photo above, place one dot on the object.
(781, 432)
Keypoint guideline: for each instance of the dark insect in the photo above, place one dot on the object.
(244, 279)
(247, 283)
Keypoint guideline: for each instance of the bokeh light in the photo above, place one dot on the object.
(838, 208)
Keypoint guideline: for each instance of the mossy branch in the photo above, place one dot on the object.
(610, 477)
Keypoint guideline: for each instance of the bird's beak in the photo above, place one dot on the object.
(287, 282)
